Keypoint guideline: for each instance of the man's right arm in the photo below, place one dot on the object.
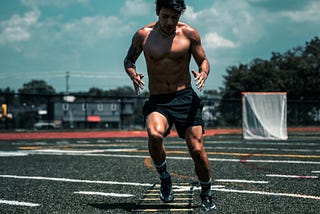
(129, 61)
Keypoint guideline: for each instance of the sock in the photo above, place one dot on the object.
(162, 170)
(206, 187)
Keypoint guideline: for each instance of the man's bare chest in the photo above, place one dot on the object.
(157, 48)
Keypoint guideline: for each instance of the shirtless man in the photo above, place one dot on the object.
(168, 46)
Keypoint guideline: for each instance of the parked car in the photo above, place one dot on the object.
(45, 125)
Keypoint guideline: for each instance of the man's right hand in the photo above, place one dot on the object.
(138, 83)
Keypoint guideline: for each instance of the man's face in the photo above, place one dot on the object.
(168, 20)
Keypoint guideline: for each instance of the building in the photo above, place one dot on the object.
(97, 113)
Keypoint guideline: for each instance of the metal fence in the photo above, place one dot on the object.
(30, 111)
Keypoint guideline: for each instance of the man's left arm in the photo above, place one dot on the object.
(199, 55)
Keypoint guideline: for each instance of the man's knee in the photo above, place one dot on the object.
(197, 153)
(155, 135)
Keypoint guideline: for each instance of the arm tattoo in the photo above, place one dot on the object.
(129, 64)
(132, 56)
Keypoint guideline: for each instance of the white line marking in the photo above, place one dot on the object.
(18, 203)
(59, 151)
(291, 176)
(241, 181)
(262, 149)
(315, 172)
(300, 150)
(264, 143)
(211, 159)
(83, 141)
(12, 154)
(283, 161)
(270, 193)
(120, 156)
(105, 194)
(87, 153)
(141, 184)
(188, 188)
(75, 180)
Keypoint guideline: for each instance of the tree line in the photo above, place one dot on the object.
(296, 72)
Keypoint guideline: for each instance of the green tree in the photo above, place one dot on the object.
(95, 92)
(37, 87)
(34, 96)
(7, 96)
(296, 72)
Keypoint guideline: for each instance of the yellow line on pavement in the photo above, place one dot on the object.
(239, 154)
(181, 152)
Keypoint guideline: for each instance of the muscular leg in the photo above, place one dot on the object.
(156, 127)
(194, 141)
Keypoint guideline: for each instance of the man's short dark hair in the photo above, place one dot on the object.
(177, 5)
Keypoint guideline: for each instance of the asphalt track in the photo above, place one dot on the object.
(88, 172)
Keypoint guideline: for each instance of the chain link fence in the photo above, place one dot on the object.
(33, 112)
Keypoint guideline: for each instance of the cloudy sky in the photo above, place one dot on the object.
(44, 39)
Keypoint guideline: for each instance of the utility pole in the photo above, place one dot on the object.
(67, 83)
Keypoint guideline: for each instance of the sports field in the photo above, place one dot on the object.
(92, 172)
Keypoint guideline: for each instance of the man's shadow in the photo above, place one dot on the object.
(130, 207)
(113, 206)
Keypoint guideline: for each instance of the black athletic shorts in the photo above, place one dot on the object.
(181, 108)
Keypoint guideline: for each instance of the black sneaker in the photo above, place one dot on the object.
(166, 193)
(207, 204)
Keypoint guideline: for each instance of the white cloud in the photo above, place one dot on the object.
(137, 8)
(17, 28)
(95, 28)
(309, 13)
(190, 15)
(55, 3)
(236, 19)
(213, 41)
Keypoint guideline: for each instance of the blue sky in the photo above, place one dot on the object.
(43, 39)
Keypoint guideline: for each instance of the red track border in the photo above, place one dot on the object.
(97, 134)
(120, 134)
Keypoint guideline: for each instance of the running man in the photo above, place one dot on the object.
(168, 45)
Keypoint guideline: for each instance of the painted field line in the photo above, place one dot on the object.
(315, 172)
(105, 194)
(59, 152)
(162, 210)
(180, 152)
(19, 203)
(12, 154)
(263, 143)
(270, 193)
(74, 180)
(263, 149)
(282, 161)
(291, 176)
(62, 151)
(241, 181)
(211, 159)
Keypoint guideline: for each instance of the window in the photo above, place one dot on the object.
(113, 107)
(100, 107)
(65, 107)
(84, 107)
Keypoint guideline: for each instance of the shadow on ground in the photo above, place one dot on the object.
(130, 207)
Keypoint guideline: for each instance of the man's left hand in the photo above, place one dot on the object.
(200, 78)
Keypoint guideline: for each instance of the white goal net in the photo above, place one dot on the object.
(264, 115)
